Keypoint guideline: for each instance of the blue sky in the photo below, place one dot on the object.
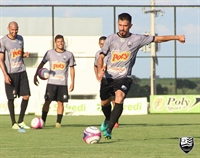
(100, 2)
(188, 23)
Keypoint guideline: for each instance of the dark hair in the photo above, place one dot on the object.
(58, 36)
(125, 16)
(102, 38)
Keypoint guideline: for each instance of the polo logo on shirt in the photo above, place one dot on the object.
(116, 56)
(60, 66)
(16, 53)
(20, 42)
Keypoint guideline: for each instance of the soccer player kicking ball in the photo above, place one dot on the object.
(60, 60)
(112, 98)
(14, 71)
(121, 49)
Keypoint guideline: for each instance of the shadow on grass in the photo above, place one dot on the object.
(177, 138)
(121, 125)
(144, 124)
(73, 125)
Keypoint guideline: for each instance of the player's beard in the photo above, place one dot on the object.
(123, 34)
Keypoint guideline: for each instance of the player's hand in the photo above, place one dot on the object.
(26, 55)
(7, 79)
(71, 88)
(181, 38)
(101, 74)
(35, 80)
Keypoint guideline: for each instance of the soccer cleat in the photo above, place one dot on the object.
(116, 125)
(58, 125)
(104, 126)
(15, 126)
(107, 135)
(23, 125)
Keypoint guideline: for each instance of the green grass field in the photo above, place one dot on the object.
(152, 136)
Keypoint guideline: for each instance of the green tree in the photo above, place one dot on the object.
(185, 85)
(198, 88)
(161, 90)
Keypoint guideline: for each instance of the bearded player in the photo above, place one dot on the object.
(121, 49)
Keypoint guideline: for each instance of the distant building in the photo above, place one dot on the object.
(81, 37)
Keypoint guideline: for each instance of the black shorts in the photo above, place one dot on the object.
(56, 93)
(19, 85)
(109, 86)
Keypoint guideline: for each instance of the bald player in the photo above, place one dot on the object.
(121, 49)
(14, 71)
(60, 61)
(112, 98)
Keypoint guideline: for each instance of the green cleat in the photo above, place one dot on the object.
(104, 126)
(107, 135)
(15, 126)
(23, 125)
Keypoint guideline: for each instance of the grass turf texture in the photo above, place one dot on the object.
(152, 136)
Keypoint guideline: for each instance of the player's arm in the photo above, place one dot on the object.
(3, 68)
(96, 71)
(72, 75)
(100, 67)
(35, 80)
(180, 38)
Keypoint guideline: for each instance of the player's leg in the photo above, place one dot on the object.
(60, 111)
(11, 94)
(121, 87)
(113, 103)
(45, 110)
(23, 91)
(106, 109)
(49, 97)
(105, 91)
(62, 96)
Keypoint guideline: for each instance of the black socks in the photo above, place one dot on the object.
(115, 114)
(59, 118)
(107, 111)
(44, 115)
(11, 110)
(24, 104)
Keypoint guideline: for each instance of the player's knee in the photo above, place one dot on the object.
(105, 103)
(26, 97)
(60, 103)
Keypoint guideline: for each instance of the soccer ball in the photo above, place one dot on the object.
(91, 135)
(43, 73)
(37, 123)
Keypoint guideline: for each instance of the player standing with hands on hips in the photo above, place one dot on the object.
(57, 90)
(14, 71)
(121, 49)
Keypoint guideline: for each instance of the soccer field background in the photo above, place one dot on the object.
(139, 136)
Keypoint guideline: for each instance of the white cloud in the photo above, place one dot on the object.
(163, 30)
(191, 29)
(192, 33)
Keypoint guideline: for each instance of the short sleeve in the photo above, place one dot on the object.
(72, 61)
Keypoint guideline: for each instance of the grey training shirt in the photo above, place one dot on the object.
(122, 53)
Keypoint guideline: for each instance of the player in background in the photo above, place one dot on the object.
(121, 49)
(60, 61)
(112, 98)
(14, 71)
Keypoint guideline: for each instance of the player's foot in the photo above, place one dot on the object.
(116, 125)
(15, 126)
(104, 126)
(23, 125)
(107, 135)
(58, 125)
